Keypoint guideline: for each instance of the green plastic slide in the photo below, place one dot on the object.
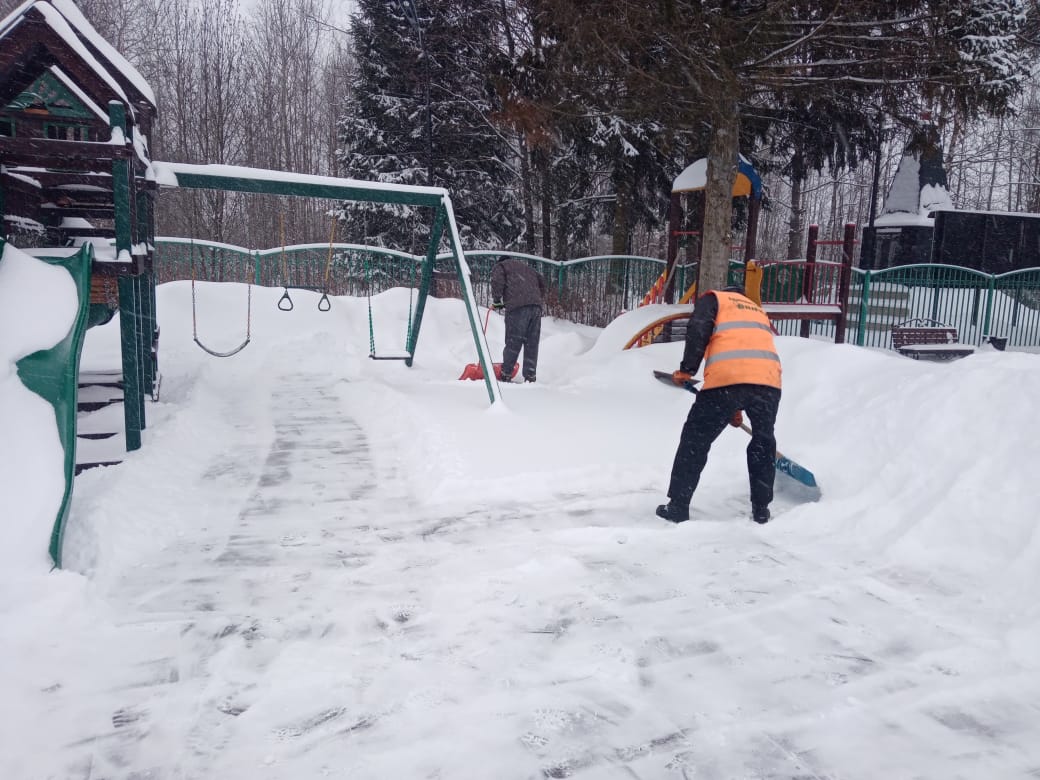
(53, 374)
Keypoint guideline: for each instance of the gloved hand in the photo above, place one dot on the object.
(681, 377)
(737, 419)
(497, 305)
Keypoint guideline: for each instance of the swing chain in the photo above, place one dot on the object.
(194, 315)
(324, 304)
(368, 288)
(285, 299)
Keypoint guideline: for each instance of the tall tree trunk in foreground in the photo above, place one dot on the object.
(717, 236)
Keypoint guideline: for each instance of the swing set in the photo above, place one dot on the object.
(285, 303)
(442, 225)
(195, 319)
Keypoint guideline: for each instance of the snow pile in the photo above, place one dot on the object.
(38, 305)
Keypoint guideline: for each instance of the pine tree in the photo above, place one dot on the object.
(420, 114)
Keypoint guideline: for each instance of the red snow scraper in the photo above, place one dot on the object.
(474, 371)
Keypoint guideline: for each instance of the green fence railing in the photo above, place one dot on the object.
(595, 290)
(977, 304)
(588, 290)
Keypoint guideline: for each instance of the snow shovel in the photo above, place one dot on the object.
(807, 488)
(474, 371)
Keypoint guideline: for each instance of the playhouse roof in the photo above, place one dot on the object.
(695, 177)
(918, 189)
(69, 30)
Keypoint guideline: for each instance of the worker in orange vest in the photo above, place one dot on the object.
(734, 338)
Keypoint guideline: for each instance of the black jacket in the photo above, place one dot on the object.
(516, 284)
(699, 329)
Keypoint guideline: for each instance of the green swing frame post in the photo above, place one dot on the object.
(259, 180)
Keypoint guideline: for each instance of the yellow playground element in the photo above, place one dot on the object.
(647, 334)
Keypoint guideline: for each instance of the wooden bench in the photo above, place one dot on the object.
(928, 338)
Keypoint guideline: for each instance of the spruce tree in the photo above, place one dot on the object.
(419, 114)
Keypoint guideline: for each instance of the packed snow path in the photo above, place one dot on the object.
(333, 627)
(332, 568)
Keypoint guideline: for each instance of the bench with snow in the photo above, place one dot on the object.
(928, 338)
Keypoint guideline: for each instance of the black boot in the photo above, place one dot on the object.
(760, 514)
(676, 513)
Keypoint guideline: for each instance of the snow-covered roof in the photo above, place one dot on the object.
(1026, 214)
(14, 16)
(76, 18)
(64, 30)
(909, 203)
(83, 96)
(695, 177)
(66, 20)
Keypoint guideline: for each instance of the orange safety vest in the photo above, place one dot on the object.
(741, 350)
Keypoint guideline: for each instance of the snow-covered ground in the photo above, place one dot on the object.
(324, 566)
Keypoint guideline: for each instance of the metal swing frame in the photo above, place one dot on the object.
(258, 180)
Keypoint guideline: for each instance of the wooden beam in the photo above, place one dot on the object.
(51, 154)
(100, 211)
(51, 179)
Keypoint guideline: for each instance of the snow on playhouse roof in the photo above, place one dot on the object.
(910, 200)
(85, 29)
(79, 93)
(695, 177)
(64, 30)
(66, 20)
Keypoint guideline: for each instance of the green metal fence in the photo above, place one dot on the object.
(595, 290)
(977, 304)
(351, 270)
(589, 290)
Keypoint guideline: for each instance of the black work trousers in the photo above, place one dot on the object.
(523, 330)
(707, 419)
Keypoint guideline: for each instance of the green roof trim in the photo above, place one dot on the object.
(47, 90)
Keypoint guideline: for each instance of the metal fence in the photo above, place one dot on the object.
(977, 304)
(595, 290)
(588, 290)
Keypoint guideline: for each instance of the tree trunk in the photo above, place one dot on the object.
(620, 237)
(527, 194)
(795, 226)
(717, 238)
(542, 163)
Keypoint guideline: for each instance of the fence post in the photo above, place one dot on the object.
(864, 310)
(991, 291)
(848, 251)
(809, 277)
(257, 274)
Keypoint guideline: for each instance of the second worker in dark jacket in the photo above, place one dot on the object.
(520, 290)
(733, 336)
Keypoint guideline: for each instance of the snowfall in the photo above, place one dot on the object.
(319, 565)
